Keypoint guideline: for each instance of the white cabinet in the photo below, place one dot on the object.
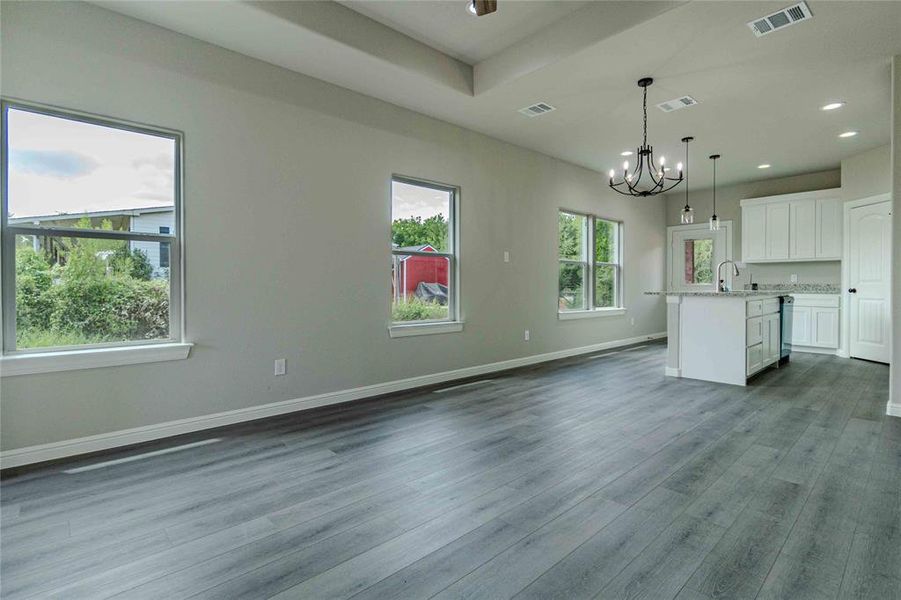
(802, 233)
(792, 227)
(829, 228)
(801, 325)
(753, 232)
(762, 334)
(815, 322)
(777, 231)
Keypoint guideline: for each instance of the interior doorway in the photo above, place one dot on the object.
(694, 252)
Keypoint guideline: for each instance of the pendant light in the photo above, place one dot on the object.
(688, 213)
(647, 178)
(714, 220)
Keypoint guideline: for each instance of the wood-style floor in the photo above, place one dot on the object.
(594, 477)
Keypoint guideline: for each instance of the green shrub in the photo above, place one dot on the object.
(95, 294)
(416, 309)
(33, 281)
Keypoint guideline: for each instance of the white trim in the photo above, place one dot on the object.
(815, 350)
(844, 348)
(126, 437)
(893, 410)
(398, 331)
(71, 360)
(590, 314)
(814, 195)
(673, 372)
(670, 256)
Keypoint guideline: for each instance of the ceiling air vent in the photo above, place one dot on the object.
(671, 105)
(536, 110)
(780, 20)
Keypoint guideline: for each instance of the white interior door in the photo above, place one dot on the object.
(869, 279)
(694, 252)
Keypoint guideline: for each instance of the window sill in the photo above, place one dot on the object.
(92, 358)
(590, 314)
(398, 331)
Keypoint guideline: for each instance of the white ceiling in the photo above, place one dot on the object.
(451, 28)
(759, 97)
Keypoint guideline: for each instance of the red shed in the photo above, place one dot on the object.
(410, 271)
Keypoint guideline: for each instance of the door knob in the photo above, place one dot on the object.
(852, 290)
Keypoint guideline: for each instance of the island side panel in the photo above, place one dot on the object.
(673, 339)
(712, 339)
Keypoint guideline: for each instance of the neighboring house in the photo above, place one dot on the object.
(154, 219)
(410, 271)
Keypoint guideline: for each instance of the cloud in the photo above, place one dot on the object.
(52, 163)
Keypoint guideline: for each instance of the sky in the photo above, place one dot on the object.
(415, 201)
(61, 166)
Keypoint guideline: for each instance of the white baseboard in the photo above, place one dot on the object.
(815, 350)
(104, 441)
(893, 410)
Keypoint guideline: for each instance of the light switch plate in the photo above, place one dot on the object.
(281, 366)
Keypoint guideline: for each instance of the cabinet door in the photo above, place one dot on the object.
(754, 359)
(829, 228)
(803, 221)
(777, 230)
(825, 327)
(775, 349)
(801, 325)
(764, 340)
(753, 232)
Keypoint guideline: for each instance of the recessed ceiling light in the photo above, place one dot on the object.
(832, 106)
(847, 134)
(626, 153)
(764, 166)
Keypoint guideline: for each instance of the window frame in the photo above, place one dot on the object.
(590, 267)
(9, 232)
(452, 323)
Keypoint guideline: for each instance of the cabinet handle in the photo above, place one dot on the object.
(852, 290)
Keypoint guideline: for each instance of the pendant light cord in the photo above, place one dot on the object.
(645, 109)
(686, 172)
(714, 187)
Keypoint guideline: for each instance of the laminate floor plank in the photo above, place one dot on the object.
(592, 476)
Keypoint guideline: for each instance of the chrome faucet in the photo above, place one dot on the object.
(720, 282)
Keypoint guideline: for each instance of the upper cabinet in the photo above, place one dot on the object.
(793, 227)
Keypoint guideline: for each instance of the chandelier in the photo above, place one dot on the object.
(647, 178)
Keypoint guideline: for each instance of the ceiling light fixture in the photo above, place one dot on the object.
(764, 166)
(688, 213)
(847, 134)
(832, 106)
(714, 221)
(632, 183)
(626, 153)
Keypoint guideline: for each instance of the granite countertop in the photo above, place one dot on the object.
(732, 294)
(800, 288)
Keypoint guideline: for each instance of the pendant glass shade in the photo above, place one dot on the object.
(688, 215)
(714, 221)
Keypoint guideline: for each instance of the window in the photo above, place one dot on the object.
(424, 252)
(699, 261)
(590, 263)
(164, 250)
(91, 232)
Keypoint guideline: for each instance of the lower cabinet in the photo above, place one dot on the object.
(815, 322)
(763, 341)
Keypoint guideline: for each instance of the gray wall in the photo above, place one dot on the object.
(287, 225)
(728, 207)
(867, 174)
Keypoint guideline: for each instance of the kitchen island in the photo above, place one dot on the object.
(726, 337)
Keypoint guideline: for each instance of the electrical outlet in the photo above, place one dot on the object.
(526, 335)
(506, 256)
(281, 366)
(794, 278)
